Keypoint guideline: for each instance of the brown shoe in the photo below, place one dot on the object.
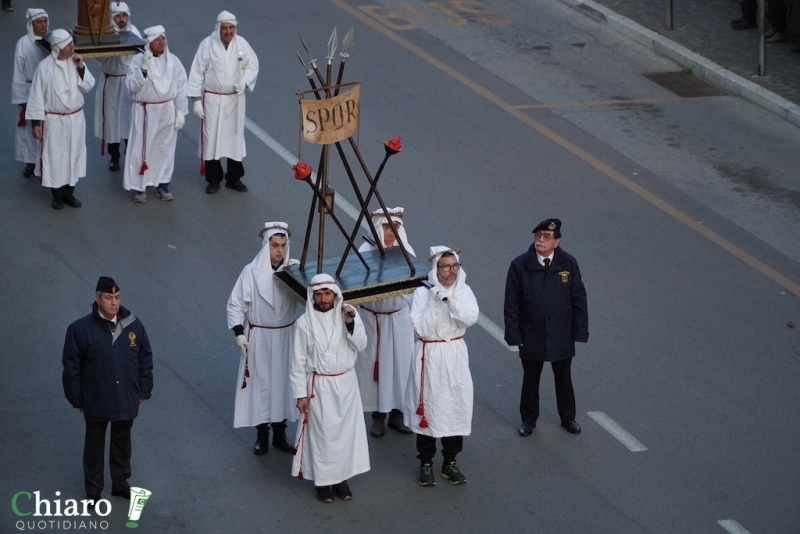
(377, 430)
(397, 424)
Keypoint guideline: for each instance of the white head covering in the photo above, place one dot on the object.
(433, 278)
(225, 56)
(396, 215)
(154, 32)
(58, 40)
(160, 67)
(117, 8)
(326, 326)
(33, 14)
(262, 270)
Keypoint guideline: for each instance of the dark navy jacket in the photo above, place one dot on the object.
(105, 375)
(545, 309)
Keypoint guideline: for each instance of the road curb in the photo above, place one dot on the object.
(701, 67)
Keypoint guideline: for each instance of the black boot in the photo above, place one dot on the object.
(69, 198)
(113, 150)
(279, 437)
(262, 439)
(58, 202)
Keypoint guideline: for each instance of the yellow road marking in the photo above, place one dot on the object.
(575, 150)
(589, 103)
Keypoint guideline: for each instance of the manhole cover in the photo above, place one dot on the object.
(683, 84)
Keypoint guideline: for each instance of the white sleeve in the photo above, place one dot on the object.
(299, 367)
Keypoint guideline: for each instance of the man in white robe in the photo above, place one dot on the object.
(55, 107)
(223, 67)
(112, 103)
(382, 367)
(439, 397)
(27, 56)
(262, 314)
(332, 438)
(157, 82)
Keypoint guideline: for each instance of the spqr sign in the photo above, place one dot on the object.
(332, 119)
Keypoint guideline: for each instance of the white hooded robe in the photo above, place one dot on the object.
(270, 313)
(56, 98)
(214, 72)
(447, 393)
(332, 438)
(157, 101)
(27, 56)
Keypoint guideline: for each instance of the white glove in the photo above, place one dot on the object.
(293, 261)
(198, 109)
(243, 344)
(441, 295)
(179, 122)
(146, 63)
(239, 88)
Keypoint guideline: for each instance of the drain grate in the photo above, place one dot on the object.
(683, 84)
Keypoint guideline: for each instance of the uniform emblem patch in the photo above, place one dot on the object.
(564, 276)
(132, 337)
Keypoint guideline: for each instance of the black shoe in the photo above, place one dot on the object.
(7, 6)
(426, 475)
(453, 474)
(572, 427)
(125, 493)
(71, 201)
(279, 438)
(744, 24)
(262, 440)
(324, 494)
(113, 166)
(737, 21)
(342, 491)
(526, 430)
(795, 50)
(57, 204)
(236, 186)
(27, 172)
(212, 188)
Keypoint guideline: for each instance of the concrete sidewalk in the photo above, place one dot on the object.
(704, 42)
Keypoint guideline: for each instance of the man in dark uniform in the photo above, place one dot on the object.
(108, 373)
(545, 314)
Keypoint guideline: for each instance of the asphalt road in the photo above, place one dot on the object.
(684, 215)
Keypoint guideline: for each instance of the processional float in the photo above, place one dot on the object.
(94, 36)
(330, 115)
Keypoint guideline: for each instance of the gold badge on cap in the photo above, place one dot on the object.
(564, 276)
(551, 226)
(132, 337)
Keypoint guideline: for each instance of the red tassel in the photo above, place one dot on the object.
(103, 147)
(375, 372)
(202, 168)
(144, 168)
(247, 372)
(420, 409)
(294, 451)
(300, 476)
(423, 423)
(244, 384)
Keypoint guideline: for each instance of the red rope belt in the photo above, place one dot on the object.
(41, 153)
(144, 132)
(103, 110)
(21, 121)
(378, 332)
(305, 422)
(202, 127)
(246, 363)
(421, 408)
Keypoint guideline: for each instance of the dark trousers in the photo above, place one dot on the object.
(777, 15)
(749, 9)
(379, 416)
(426, 447)
(565, 396)
(113, 150)
(214, 171)
(119, 461)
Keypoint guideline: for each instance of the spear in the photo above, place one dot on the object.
(309, 75)
(332, 43)
(313, 62)
(347, 43)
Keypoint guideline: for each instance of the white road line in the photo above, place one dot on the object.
(732, 526)
(483, 321)
(622, 435)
